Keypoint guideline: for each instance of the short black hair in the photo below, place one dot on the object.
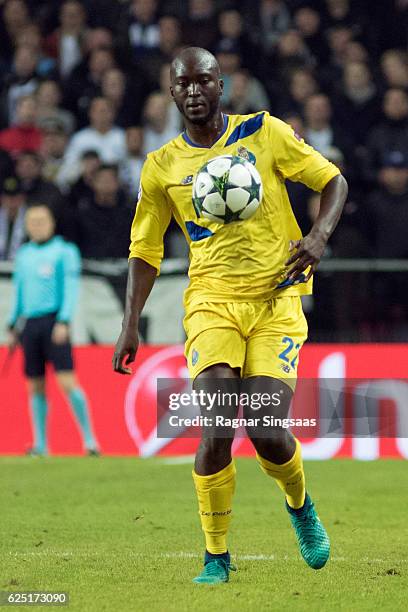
(90, 154)
(196, 53)
(110, 167)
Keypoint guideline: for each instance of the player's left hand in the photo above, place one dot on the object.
(307, 252)
(60, 333)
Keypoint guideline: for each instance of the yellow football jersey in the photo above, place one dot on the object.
(244, 260)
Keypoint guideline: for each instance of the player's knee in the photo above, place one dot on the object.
(36, 385)
(67, 381)
(277, 440)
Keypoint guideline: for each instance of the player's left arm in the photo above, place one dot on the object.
(298, 161)
(309, 250)
(71, 271)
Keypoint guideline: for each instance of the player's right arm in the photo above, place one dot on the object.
(17, 307)
(151, 220)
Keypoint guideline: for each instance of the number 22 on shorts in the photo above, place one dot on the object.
(290, 352)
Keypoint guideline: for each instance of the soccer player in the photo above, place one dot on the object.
(46, 279)
(244, 320)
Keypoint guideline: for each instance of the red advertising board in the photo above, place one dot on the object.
(124, 407)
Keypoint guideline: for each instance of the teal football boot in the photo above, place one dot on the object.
(313, 540)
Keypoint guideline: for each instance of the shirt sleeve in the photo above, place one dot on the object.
(70, 169)
(17, 305)
(296, 160)
(152, 217)
(71, 271)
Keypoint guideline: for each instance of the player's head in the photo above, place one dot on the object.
(40, 223)
(196, 85)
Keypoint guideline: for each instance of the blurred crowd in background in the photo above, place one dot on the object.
(84, 96)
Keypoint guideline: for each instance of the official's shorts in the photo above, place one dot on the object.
(259, 338)
(39, 349)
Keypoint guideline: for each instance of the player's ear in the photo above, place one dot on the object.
(171, 91)
(221, 85)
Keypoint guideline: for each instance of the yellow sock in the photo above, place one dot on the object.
(289, 476)
(214, 493)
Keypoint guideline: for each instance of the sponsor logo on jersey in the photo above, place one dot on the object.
(194, 357)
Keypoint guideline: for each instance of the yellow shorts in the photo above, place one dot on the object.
(259, 338)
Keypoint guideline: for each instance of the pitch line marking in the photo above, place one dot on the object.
(189, 555)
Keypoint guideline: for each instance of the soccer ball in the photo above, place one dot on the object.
(227, 188)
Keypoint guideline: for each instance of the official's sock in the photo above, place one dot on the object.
(214, 493)
(39, 410)
(80, 407)
(289, 476)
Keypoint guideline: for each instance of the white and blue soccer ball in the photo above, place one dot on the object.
(227, 188)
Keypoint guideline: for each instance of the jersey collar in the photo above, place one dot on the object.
(197, 146)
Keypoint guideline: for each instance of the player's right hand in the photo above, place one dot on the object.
(125, 351)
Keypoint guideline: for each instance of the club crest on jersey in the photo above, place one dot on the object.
(187, 180)
(243, 152)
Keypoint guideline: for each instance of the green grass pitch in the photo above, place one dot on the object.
(122, 534)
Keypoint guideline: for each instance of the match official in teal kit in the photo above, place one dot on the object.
(46, 281)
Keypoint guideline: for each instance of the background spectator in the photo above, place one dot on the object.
(82, 189)
(320, 131)
(101, 135)
(140, 28)
(105, 218)
(173, 115)
(52, 149)
(232, 31)
(268, 23)
(131, 166)
(394, 66)
(246, 94)
(389, 134)
(35, 187)
(358, 107)
(200, 27)
(170, 39)
(389, 206)
(30, 37)
(115, 89)
(48, 98)
(15, 17)
(66, 42)
(86, 80)
(21, 81)
(308, 23)
(158, 128)
(24, 133)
